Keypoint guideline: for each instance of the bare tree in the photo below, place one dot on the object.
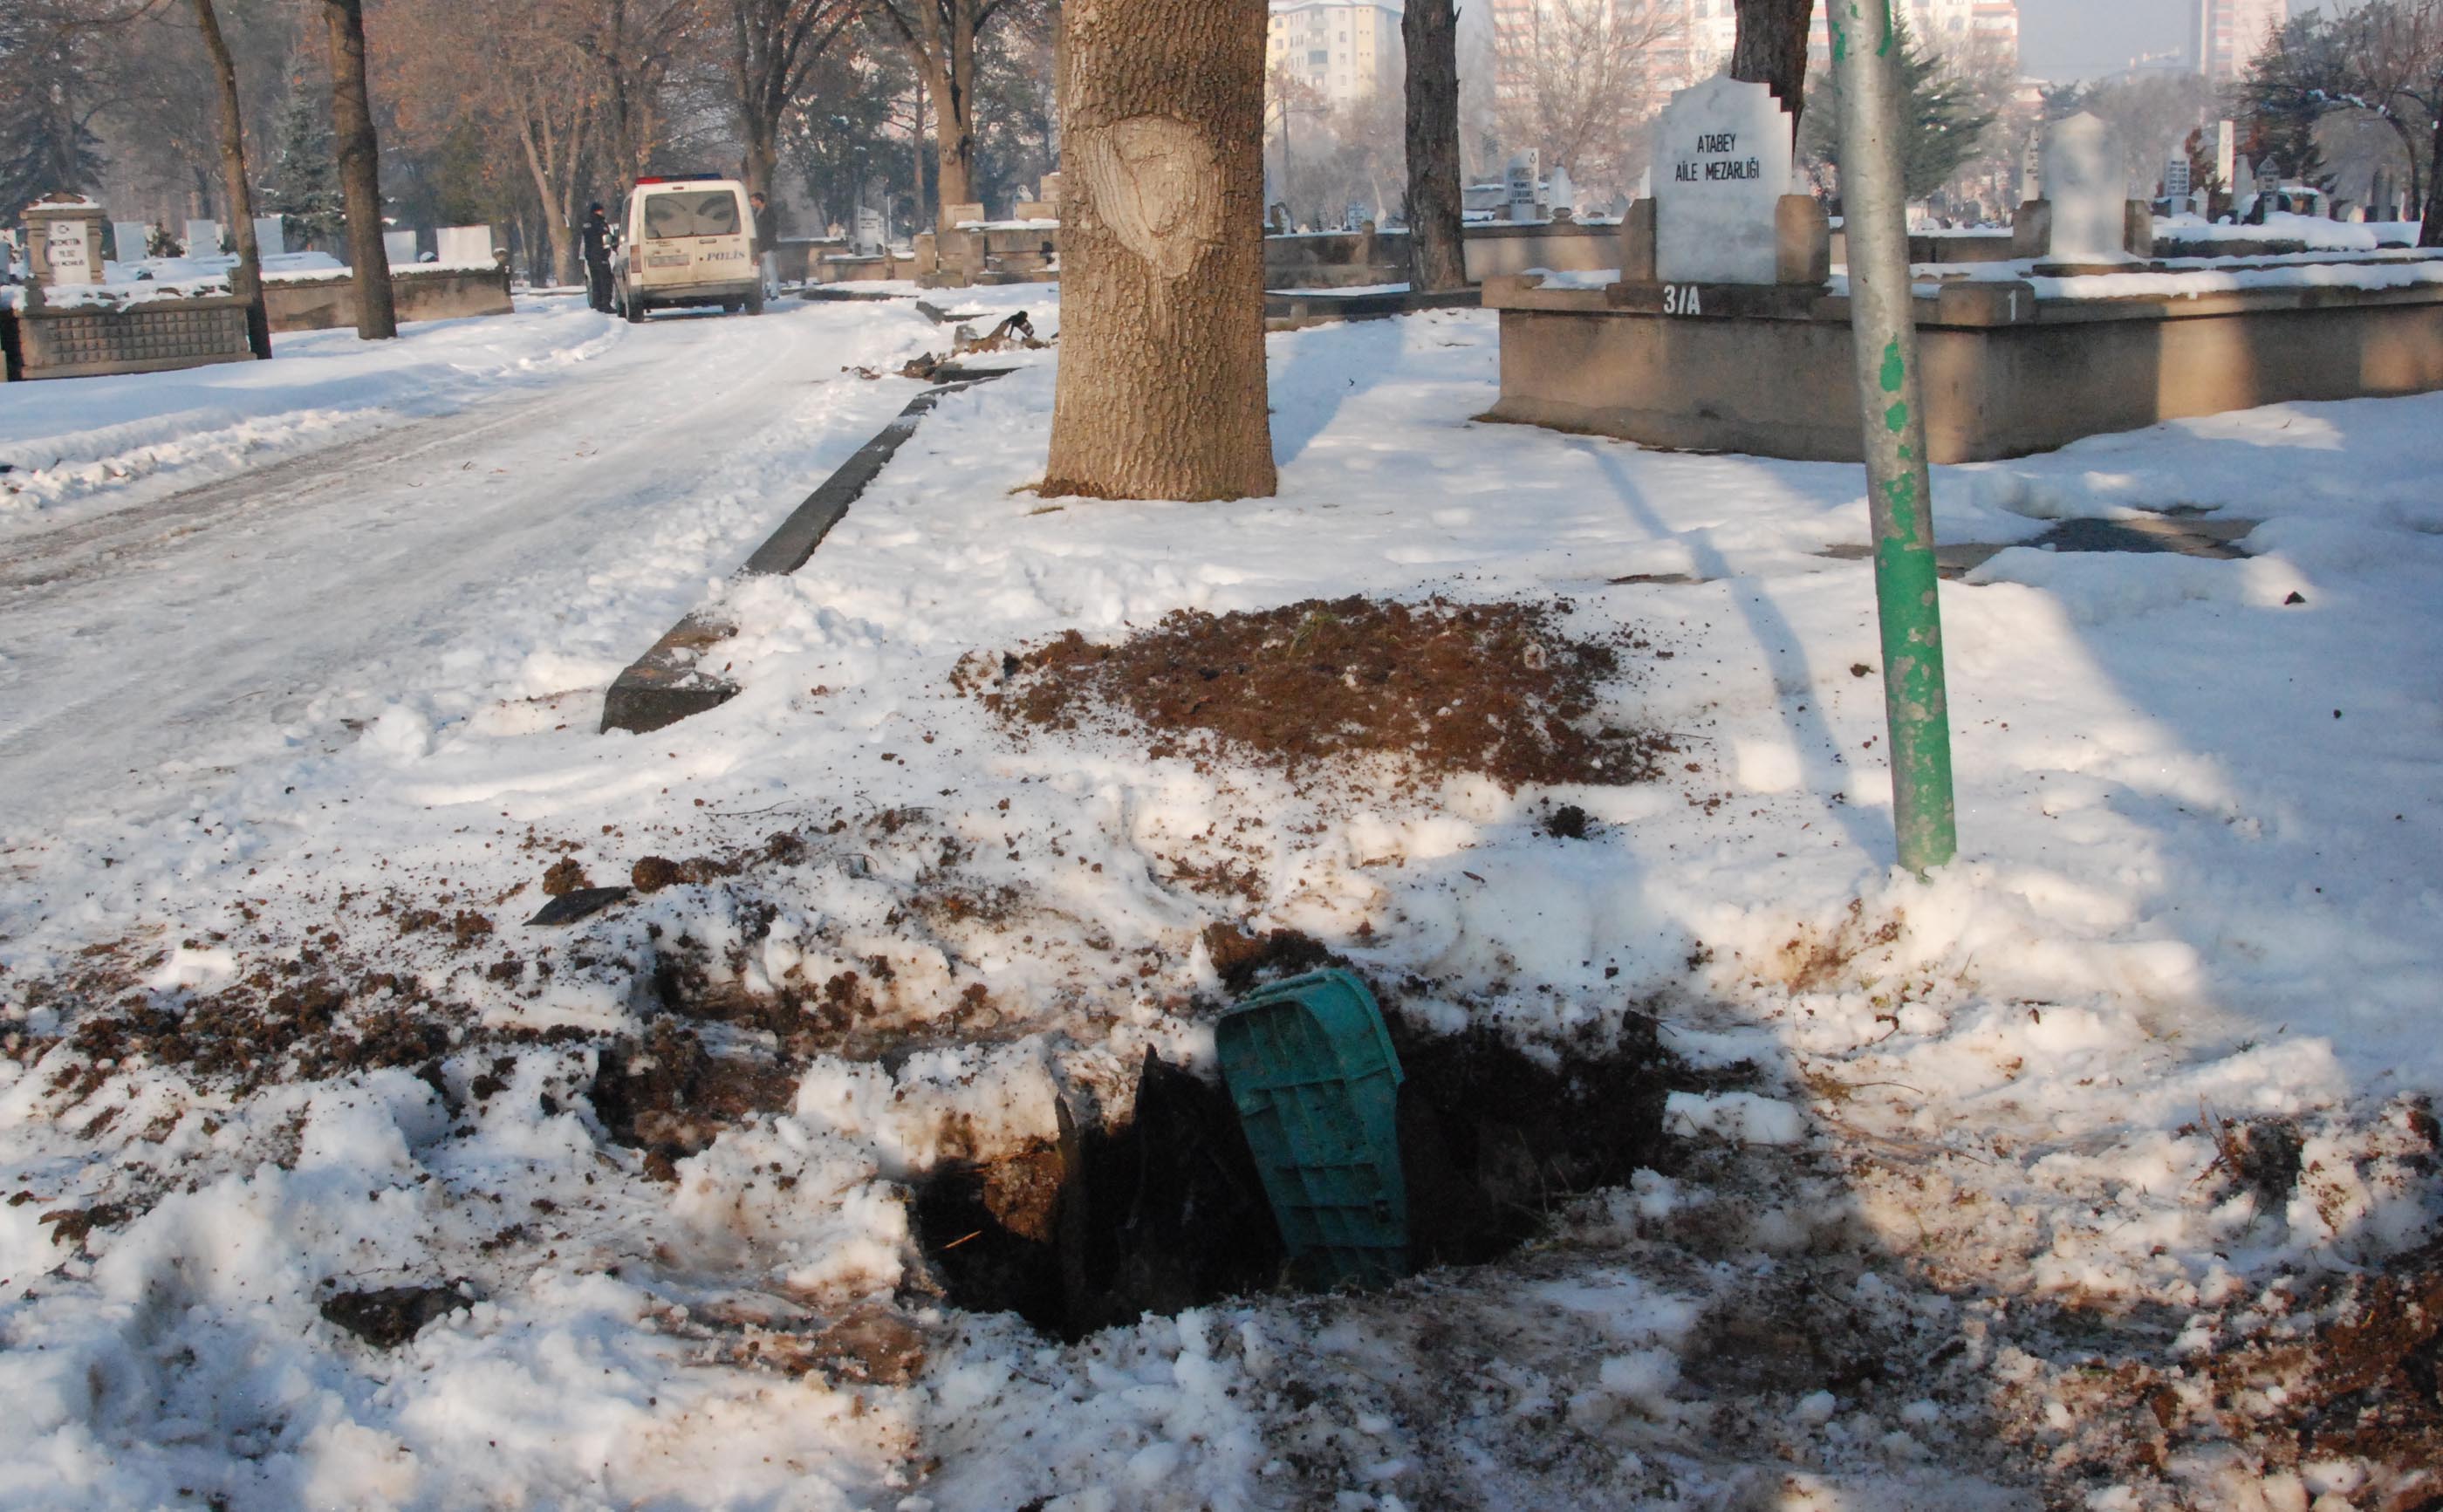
(774, 47)
(634, 46)
(1162, 390)
(941, 38)
(246, 280)
(533, 87)
(1585, 79)
(360, 152)
(1429, 31)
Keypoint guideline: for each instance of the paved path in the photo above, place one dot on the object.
(185, 628)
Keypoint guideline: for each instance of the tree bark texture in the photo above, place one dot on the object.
(1430, 30)
(2430, 233)
(246, 280)
(351, 122)
(1162, 389)
(1772, 49)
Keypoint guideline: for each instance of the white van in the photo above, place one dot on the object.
(685, 242)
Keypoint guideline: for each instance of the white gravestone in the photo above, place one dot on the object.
(1721, 164)
(1565, 193)
(203, 238)
(463, 246)
(870, 231)
(2086, 179)
(75, 259)
(270, 234)
(2243, 185)
(1521, 182)
(2176, 177)
(2225, 148)
(399, 248)
(133, 238)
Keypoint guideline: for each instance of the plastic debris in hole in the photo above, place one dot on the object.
(1311, 1069)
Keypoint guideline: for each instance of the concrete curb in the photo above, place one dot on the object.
(667, 683)
(1294, 312)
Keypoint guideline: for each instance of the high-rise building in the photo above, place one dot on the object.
(2230, 33)
(1346, 51)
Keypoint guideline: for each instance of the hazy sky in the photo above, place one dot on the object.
(2071, 39)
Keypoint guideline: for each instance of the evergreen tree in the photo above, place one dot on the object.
(2291, 86)
(1940, 118)
(43, 143)
(305, 181)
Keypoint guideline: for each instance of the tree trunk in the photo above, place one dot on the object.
(352, 121)
(247, 281)
(2430, 233)
(1437, 256)
(1772, 49)
(762, 161)
(1160, 393)
(916, 151)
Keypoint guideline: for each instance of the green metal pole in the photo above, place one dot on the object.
(1900, 494)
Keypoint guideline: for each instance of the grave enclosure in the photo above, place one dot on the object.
(1724, 332)
(70, 323)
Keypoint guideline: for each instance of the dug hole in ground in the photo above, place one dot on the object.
(2098, 1172)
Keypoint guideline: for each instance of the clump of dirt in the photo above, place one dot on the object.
(1240, 958)
(2259, 1155)
(671, 1096)
(564, 875)
(388, 1316)
(655, 873)
(1567, 822)
(1494, 688)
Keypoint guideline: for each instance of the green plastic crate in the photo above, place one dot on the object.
(1311, 1068)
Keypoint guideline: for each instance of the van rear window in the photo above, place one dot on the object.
(696, 213)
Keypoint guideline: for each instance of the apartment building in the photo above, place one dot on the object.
(1346, 51)
(2228, 34)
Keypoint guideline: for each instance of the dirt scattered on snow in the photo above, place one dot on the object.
(1494, 688)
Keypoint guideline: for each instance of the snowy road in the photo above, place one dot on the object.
(242, 614)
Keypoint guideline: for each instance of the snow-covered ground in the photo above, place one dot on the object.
(300, 665)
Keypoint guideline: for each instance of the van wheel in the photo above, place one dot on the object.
(631, 311)
(755, 301)
(729, 306)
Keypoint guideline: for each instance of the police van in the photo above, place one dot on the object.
(685, 242)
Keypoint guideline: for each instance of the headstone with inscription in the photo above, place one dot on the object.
(2225, 148)
(462, 246)
(870, 233)
(74, 252)
(2031, 171)
(1722, 166)
(1522, 182)
(203, 238)
(2086, 183)
(133, 239)
(2176, 177)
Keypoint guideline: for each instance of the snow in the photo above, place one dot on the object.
(2316, 233)
(286, 637)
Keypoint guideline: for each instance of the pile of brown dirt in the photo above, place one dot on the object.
(1494, 688)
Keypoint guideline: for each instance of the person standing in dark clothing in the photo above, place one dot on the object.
(767, 240)
(598, 258)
